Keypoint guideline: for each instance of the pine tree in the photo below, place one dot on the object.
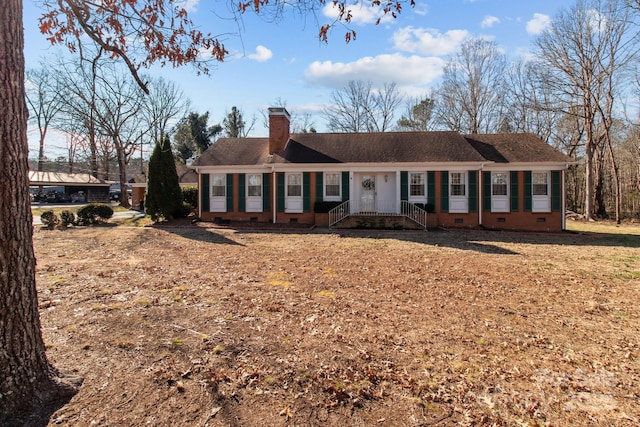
(163, 198)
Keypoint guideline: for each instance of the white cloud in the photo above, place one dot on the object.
(190, 6)
(261, 54)
(538, 23)
(489, 21)
(403, 70)
(361, 14)
(428, 41)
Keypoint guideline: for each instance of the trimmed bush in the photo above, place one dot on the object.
(426, 206)
(50, 219)
(94, 213)
(325, 207)
(190, 195)
(67, 218)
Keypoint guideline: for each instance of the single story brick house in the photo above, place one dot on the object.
(397, 179)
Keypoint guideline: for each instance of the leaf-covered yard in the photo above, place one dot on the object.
(202, 326)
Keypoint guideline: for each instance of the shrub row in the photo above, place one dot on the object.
(94, 213)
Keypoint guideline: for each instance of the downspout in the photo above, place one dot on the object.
(480, 198)
(275, 189)
(564, 199)
(199, 193)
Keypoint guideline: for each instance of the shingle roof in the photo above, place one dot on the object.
(62, 178)
(235, 151)
(386, 147)
(515, 148)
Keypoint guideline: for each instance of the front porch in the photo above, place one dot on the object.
(384, 215)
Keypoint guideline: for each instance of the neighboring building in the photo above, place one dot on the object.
(74, 187)
(504, 181)
(187, 177)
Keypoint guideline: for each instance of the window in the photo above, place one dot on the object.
(457, 187)
(499, 185)
(540, 183)
(500, 201)
(332, 185)
(294, 185)
(218, 185)
(254, 185)
(416, 184)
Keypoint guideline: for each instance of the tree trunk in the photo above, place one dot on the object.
(588, 172)
(122, 167)
(28, 384)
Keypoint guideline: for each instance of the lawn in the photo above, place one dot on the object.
(203, 326)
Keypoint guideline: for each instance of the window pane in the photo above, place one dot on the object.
(294, 185)
(254, 188)
(457, 184)
(332, 178)
(332, 184)
(540, 187)
(219, 185)
(416, 187)
(499, 185)
(255, 180)
(218, 180)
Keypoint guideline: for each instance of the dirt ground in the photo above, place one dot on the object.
(195, 326)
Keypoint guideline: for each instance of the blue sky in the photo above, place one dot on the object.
(284, 61)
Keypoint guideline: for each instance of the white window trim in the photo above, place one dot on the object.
(501, 203)
(293, 204)
(217, 203)
(459, 204)
(418, 199)
(327, 198)
(541, 203)
(253, 203)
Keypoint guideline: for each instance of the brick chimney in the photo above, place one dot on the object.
(279, 129)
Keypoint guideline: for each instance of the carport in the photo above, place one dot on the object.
(80, 187)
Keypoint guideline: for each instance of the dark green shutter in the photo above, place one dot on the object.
(242, 192)
(266, 177)
(528, 192)
(404, 185)
(280, 183)
(204, 202)
(229, 192)
(345, 186)
(486, 188)
(473, 191)
(556, 190)
(306, 191)
(444, 191)
(514, 191)
(319, 187)
(431, 189)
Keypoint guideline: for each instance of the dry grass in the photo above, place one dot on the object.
(197, 326)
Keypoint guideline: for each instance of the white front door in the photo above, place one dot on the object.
(368, 193)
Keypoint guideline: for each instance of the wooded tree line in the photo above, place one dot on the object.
(575, 92)
(107, 118)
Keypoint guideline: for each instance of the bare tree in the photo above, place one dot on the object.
(165, 103)
(359, 107)
(45, 102)
(118, 113)
(471, 96)
(531, 106)
(583, 50)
